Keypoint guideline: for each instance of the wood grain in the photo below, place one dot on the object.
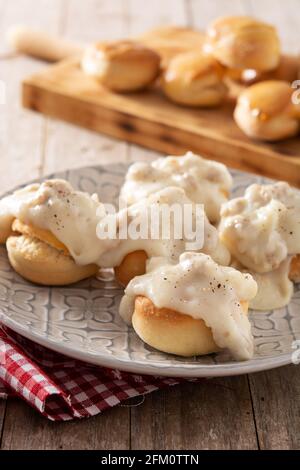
(276, 402)
(2, 416)
(215, 414)
(25, 429)
(63, 91)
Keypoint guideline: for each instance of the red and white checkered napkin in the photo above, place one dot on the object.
(61, 388)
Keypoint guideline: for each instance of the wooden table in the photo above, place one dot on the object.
(247, 412)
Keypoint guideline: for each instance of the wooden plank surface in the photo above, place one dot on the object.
(276, 402)
(216, 413)
(25, 429)
(2, 417)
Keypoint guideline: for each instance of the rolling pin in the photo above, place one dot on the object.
(40, 44)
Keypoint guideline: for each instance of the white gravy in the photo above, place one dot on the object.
(204, 181)
(274, 289)
(170, 248)
(55, 206)
(262, 227)
(198, 287)
(262, 231)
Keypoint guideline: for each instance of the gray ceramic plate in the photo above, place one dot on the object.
(82, 320)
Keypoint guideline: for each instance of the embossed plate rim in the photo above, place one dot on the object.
(180, 370)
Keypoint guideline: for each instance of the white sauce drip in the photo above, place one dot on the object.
(274, 289)
(170, 248)
(69, 215)
(204, 181)
(198, 287)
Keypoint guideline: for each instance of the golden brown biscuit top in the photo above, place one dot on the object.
(41, 234)
(237, 25)
(194, 65)
(267, 98)
(126, 50)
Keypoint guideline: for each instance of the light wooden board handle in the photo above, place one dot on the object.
(41, 45)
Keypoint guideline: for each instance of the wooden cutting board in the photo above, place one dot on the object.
(147, 118)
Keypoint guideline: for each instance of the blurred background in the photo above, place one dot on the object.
(32, 145)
